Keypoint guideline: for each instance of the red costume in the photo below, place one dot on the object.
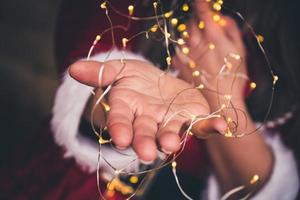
(38, 169)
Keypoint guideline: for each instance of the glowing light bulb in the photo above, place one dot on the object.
(174, 164)
(103, 5)
(185, 50)
(252, 85)
(201, 25)
(217, 6)
(196, 73)
(216, 17)
(169, 60)
(185, 34)
(260, 38)
(98, 37)
(124, 41)
(192, 64)
(235, 56)
(185, 7)
(174, 21)
(211, 46)
(228, 133)
(254, 179)
(181, 27)
(130, 9)
(275, 79)
(110, 193)
(154, 28)
(222, 22)
(133, 179)
(220, 2)
(181, 41)
(168, 14)
(190, 133)
(201, 86)
(227, 97)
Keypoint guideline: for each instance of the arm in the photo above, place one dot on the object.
(234, 161)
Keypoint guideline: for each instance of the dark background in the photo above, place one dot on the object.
(28, 76)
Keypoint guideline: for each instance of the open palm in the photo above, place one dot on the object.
(148, 108)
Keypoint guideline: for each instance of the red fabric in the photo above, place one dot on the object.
(78, 24)
(37, 170)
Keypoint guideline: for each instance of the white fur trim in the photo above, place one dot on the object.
(283, 183)
(70, 101)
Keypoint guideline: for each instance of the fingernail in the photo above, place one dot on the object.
(165, 151)
(146, 162)
(121, 148)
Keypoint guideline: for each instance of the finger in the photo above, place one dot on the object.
(232, 31)
(169, 138)
(97, 74)
(119, 123)
(196, 36)
(204, 12)
(203, 129)
(145, 128)
(181, 63)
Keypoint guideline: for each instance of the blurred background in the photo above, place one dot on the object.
(28, 76)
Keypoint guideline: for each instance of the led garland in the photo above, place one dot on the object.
(164, 22)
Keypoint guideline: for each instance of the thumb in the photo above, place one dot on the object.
(203, 129)
(96, 74)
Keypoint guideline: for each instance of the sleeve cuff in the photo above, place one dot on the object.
(283, 182)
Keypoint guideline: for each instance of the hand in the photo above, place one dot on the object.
(208, 48)
(139, 100)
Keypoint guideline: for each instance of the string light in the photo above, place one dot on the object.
(165, 20)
